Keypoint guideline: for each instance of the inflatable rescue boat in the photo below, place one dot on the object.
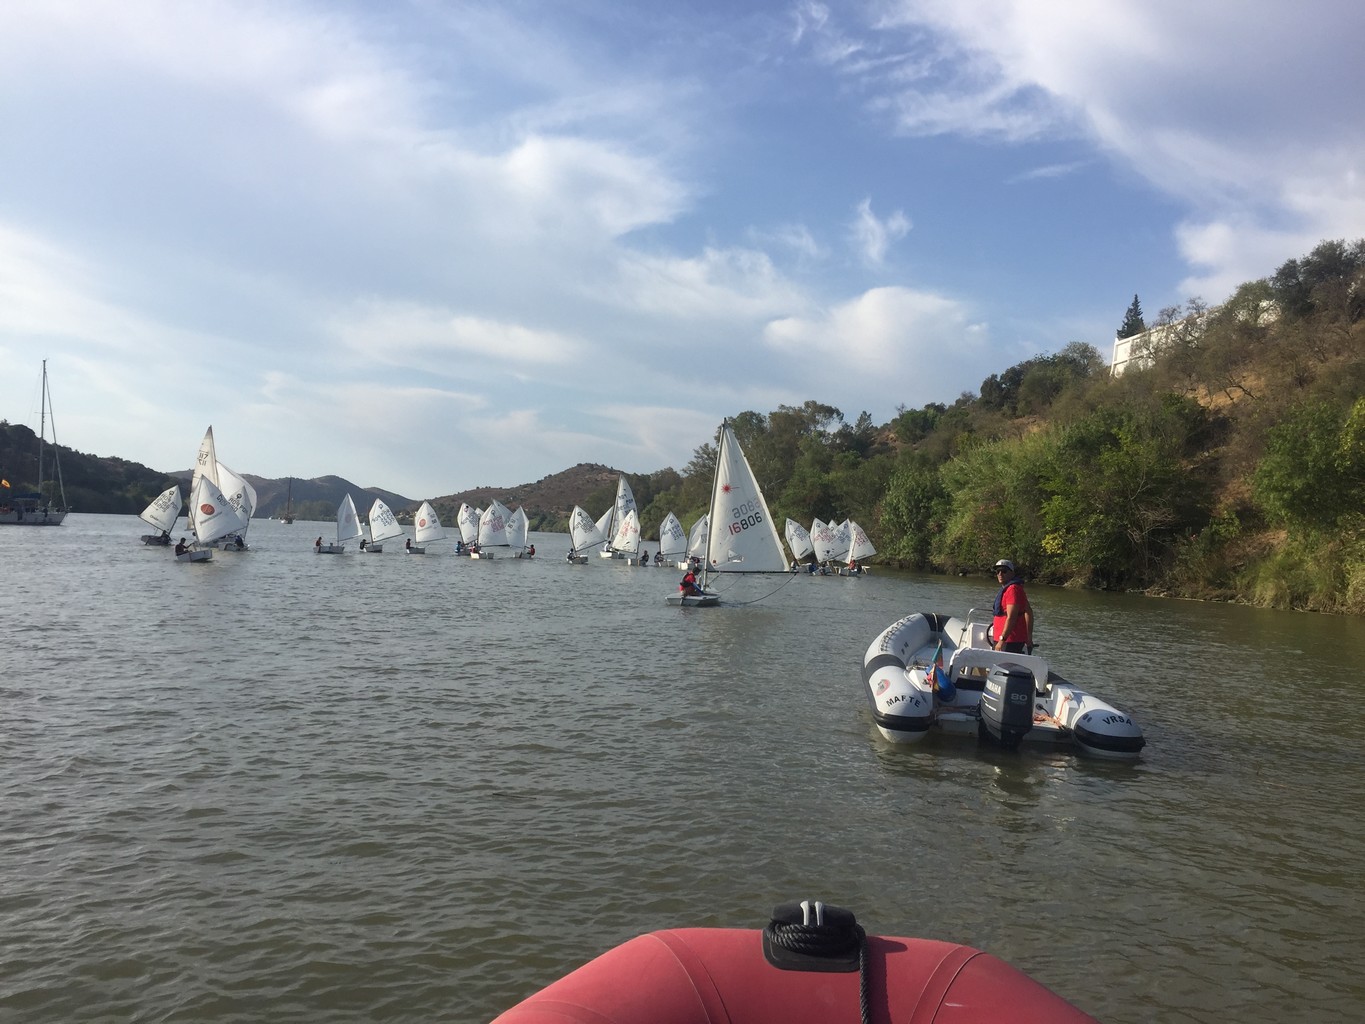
(812, 964)
(930, 672)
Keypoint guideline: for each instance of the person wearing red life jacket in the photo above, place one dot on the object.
(1012, 622)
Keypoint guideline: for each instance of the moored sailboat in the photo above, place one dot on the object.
(288, 515)
(35, 508)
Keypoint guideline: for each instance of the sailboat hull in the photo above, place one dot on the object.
(197, 555)
(692, 600)
(19, 515)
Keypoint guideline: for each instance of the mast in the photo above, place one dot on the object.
(44, 403)
(711, 509)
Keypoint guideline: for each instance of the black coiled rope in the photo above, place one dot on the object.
(823, 934)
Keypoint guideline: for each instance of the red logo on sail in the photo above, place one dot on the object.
(207, 509)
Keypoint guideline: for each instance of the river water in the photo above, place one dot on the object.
(389, 788)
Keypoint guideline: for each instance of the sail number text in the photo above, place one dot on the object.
(744, 516)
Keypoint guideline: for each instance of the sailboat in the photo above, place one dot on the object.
(288, 516)
(518, 530)
(241, 496)
(798, 540)
(35, 508)
(860, 549)
(672, 542)
(696, 541)
(467, 519)
(348, 528)
(625, 543)
(583, 535)
(492, 529)
(426, 528)
(741, 537)
(215, 517)
(824, 539)
(162, 514)
(610, 523)
(384, 525)
(205, 464)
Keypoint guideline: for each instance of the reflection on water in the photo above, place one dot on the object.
(404, 788)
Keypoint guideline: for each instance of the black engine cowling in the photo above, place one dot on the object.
(1007, 704)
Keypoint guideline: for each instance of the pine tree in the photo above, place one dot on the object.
(1132, 320)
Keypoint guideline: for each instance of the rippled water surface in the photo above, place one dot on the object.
(383, 787)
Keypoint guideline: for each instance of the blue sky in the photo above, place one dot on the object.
(437, 245)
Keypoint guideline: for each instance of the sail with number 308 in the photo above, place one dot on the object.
(743, 536)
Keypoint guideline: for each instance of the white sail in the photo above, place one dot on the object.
(238, 491)
(672, 538)
(205, 464)
(383, 524)
(696, 540)
(214, 515)
(610, 523)
(427, 526)
(583, 532)
(743, 536)
(627, 537)
(164, 509)
(493, 525)
(604, 525)
(518, 528)
(625, 499)
(467, 519)
(843, 539)
(348, 523)
(861, 547)
(822, 539)
(798, 539)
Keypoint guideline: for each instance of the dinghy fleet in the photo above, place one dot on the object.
(926, 673)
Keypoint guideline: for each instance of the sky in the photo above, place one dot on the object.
(431, 245)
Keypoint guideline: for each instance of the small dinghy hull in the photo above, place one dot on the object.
(737, 976)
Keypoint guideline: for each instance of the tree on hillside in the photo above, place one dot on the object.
(1132, 321)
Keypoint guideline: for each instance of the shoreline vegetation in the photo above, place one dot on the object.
(1225, 462)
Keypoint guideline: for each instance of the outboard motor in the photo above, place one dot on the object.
(1007, 704)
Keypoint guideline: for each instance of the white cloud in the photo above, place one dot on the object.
(888, 346)
(872, 237)
(1252, 119)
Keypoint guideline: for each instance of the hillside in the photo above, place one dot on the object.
(107, 484)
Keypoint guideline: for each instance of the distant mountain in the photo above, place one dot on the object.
(548, 501)
(105, 484)
(316, 498)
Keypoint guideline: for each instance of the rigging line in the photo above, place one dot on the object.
(740, 604)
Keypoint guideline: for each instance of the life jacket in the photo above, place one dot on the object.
(1019, 631)
(689, 583)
